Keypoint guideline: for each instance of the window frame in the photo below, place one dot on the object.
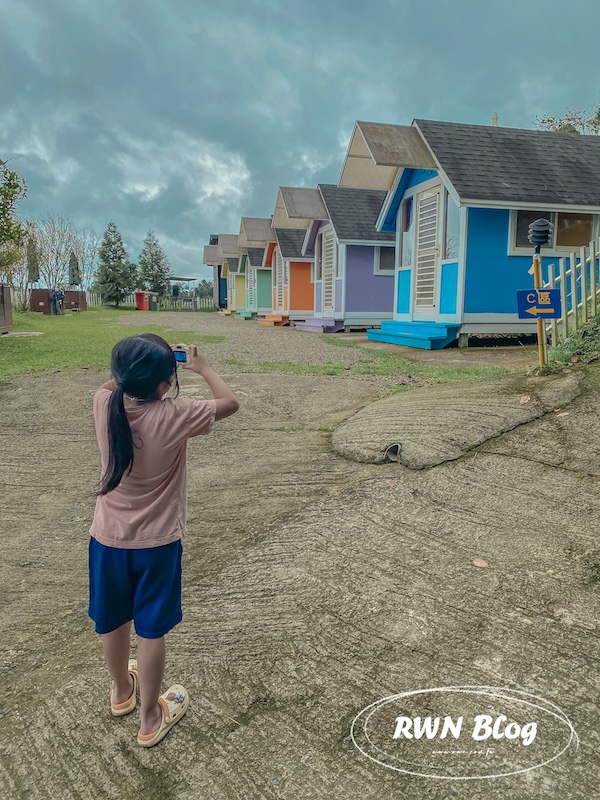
(554, 250)
(377, 260)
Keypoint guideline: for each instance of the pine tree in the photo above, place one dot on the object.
(154, 267)
(116, 276)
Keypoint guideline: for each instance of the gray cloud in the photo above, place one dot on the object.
(181, 117)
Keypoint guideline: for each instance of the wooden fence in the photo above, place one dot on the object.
(577, 276)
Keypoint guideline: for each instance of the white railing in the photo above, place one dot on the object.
(577, 276)
(164, 304)
(94, 299)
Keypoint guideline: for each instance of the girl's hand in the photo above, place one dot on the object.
(198, 361)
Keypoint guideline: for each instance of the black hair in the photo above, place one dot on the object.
(138, 364)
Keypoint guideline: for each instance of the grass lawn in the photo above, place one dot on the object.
(75, 341)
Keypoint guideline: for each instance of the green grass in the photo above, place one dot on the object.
(380, 362)
(76, 341)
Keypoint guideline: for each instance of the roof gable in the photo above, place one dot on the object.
(376, 152)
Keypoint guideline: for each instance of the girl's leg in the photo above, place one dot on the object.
(115, 646)
(151, 668)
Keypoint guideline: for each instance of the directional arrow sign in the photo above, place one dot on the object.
(539, 303)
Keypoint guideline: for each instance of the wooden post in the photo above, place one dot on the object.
(541, 332)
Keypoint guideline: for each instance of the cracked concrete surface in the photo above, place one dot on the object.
(313, 586)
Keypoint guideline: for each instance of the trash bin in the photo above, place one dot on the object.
(153, 302)
(142, 301)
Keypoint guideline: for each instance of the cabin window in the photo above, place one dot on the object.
(571, 230)
(451, 229)
(407, 233)
(385, 260)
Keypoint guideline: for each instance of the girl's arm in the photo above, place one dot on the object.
(110, 385)
(227, 402)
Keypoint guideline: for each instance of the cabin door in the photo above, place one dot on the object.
(251, 278)
(328, 272)
(427, 250)
(279, 280)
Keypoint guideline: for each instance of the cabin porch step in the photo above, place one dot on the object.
(271, 320)
(321, 325)
(424, 335)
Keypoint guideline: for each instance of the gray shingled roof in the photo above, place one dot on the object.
(353, 213)
(290, 241)
(233, 264)
(255, 256)
(515, 165)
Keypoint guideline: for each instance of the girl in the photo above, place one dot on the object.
(140, 516)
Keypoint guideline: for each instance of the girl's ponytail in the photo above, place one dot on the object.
(120, 443)
(139, 365)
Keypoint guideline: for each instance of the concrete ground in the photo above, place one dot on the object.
(314, 583)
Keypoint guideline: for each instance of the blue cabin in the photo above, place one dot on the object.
(460, 200)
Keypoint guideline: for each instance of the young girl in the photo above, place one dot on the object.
(140, 516)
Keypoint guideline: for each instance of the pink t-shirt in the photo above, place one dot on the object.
(148, 507)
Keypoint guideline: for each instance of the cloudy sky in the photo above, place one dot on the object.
(181, 116)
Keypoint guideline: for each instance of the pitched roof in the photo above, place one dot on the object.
(210, 256)
(233, 264)
(255, 256)
(254, 230)
(353, 212)
(516, 165)
(291, 241)
(296, 206)
(227, 245)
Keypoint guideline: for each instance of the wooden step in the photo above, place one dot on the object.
(274, 319)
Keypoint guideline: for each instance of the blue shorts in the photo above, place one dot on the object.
(140, 585)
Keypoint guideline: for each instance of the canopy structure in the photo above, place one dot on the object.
(255, 232)
(210, 256)
(296, 207)
(377, 151)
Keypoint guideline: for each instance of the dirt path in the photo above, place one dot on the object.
(313, 586)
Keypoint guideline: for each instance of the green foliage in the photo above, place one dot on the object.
(12, 189)
(116, 276)
(581, 346)
(204, 289)
(76, 341)
(574, 121)
(154, 267)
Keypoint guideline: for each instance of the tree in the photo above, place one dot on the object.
(12, 189)
(574, 121)
(55, 238)
(154, 267)
(116, 276)
(204, 289)
(18, 268)
(85, 247)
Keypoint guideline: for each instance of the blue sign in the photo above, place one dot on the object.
(539, 304)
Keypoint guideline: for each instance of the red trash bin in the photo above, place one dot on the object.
(142, 301)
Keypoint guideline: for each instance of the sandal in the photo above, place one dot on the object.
(127, 706)
(174, 703)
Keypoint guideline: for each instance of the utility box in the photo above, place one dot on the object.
(40, 301)
(5, 309)
(142, 301)
(75, 301)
